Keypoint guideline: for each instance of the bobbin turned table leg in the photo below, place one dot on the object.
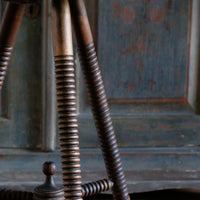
(98, 99)
(66, 99)
(8, 32)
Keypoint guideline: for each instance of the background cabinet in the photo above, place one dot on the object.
(148, 52)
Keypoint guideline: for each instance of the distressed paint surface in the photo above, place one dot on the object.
(20, 122)
(146, 131)
(142, 48)
(143, 124)
(148, 128)
(146, 169)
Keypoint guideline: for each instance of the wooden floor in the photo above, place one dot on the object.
(157, 195)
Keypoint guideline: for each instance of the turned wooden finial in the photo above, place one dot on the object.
(49, 168)
(49, 190)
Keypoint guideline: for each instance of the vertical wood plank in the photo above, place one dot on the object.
(194, 73)
(48, 82)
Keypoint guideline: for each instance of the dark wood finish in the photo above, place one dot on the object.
(66, 96)
(97, 187)
(13, 195)
(20, 1)
(98, 98)
(66, 99)
(8, 33)
(49, 190)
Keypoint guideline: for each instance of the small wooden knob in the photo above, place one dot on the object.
(49, 168)
(48, 190)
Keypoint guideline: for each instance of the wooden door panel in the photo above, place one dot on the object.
(146, 131)
(143, 48)
(154, 123)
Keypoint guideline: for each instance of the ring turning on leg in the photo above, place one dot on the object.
(8, 32)
(98, 99)
(66, 99)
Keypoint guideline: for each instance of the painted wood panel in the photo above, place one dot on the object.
(20, 122)
(146, 131)
(139, 119)
(143, 48)
(160, 141)
(146, 169)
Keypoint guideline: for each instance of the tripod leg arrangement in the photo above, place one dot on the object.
(66, 94)
(8, 32)
(95, 88)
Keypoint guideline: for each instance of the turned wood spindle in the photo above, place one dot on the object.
(98, 100)
(66, 99)
(7, 194)
(62, 11)
(8, 32)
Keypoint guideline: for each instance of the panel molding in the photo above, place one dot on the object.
(194, 74)
(146, 169)
(113, 102)
(48, 82)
